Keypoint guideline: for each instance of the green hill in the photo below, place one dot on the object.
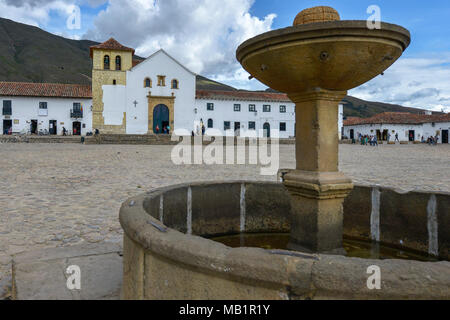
(31, 54)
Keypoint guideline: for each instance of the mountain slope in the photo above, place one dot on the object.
(354, 107)
(30, 54)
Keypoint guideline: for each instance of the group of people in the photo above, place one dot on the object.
(165, 129)
(366, 140)
(432, 141)
(199, 128)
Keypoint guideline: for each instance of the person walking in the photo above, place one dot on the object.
(396, 138)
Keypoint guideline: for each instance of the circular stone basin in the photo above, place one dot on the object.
(167, 255)
(333, 55)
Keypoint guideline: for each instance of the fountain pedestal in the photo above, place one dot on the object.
(317, 188)
(315, 62)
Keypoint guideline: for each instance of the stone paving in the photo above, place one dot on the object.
(54, 195)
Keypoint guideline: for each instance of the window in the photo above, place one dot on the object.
(282, 109)
(210, 106)
(227, 125)
(161, 81)
(174, 84)
(7, 108)
(114, 82)
(77, 111)
(266, 108)
(77, 107)
(106, 63)
(237, 108)
(43, 111)
(251, 108)
(147, 83)
(118, 63)
(252, 125)
(282, 126)
(210, 123)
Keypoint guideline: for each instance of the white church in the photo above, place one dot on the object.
(155, 96)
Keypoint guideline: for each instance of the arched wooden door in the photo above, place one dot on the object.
(266, 130)
(161, 118)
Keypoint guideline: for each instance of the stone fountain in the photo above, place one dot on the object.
(315, 62)
(168, 251)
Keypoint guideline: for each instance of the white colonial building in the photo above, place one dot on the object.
(153, 96)
(33, 108)
(406, 126)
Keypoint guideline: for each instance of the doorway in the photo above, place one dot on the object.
(33, 127)
(76, 128)
(266, 130)
(237, 128)
(444, 136)
(52, 127)
(352, 134)
(378, 135)
(412, 135)
(160, 118)
(7, 127)
(385, 135)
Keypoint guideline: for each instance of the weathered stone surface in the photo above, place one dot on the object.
(133, 270)
(403, 219)
(214, 207)
(42, 274)
(338, 277)
(443, 219)
(267, 208)
(175, 209)
(357, 209)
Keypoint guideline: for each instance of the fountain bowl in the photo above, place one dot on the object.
(167, 253)
(331, 55)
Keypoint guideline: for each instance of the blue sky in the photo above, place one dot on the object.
(428, 21)
(204, 34)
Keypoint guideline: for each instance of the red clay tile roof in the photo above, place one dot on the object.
(55, 90)
(398, 118)
(111, 44)
(242, 95)
(136, 62)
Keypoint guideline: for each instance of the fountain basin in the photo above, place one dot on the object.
(333, 55)
(166, 254)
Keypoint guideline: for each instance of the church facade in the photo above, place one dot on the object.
(155, 96)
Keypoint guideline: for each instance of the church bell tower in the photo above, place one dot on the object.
(110, 62)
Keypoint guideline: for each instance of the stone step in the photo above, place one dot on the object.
(42, 274)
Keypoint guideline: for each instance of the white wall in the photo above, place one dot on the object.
(340, 120)
(114, 104)
(25, 109)
(224, 111)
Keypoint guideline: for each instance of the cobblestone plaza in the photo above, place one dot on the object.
(64, 194)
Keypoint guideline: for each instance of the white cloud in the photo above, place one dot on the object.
(412, 82)
(202, 34)
(34, 12)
